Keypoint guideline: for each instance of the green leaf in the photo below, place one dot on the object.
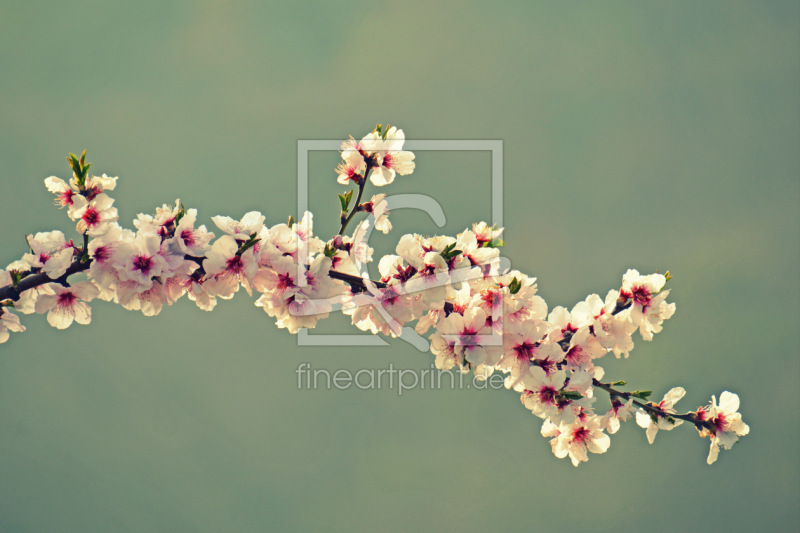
(643, 394)
(343, 202)
(450, 252)
(620, 382)
(514, 286)
(570, 394)
(329, 251)
(291, 221)
(180, 214)
(249, 243)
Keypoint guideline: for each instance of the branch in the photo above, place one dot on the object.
(361, 187)
(652, 407)
(13, 292)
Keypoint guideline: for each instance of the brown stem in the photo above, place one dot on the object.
(32, 281)
(653, 408)
(361, 187)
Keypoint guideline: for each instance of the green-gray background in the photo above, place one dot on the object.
(655, 135)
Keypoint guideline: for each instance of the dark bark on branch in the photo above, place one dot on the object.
(32, 281)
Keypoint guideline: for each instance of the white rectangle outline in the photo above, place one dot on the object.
(305, 146)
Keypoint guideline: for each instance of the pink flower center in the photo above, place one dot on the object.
(547, 395)
(142, 263)
(66, 299)
(428, 270)
(234, 264)
(90, 194)
(576, 356)
(91, 216)
(350, 173)
(188, 237)
(546, 364)
(66, 198)
(524, 350)
(492, 298)
(642, 296)
(404, 274)
(580, 435)
(285, 282)
(101, 254)
(719, 422)
(467, 336)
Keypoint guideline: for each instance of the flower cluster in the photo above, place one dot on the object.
(479, 315)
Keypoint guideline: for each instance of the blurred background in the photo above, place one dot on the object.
(652, 135)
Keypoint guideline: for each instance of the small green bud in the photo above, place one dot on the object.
(180, 214)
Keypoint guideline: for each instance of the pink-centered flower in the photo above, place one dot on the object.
(50, 252)
(8, 322)
(95, 217)
(619, 412)
(250, 223)
(227, 268)
(142, 261)
(727, 422)
(74, 198)
(540, 391)
(652, 422)
(388, 157)
(576, 439)
(162, 223)
(68, 304)
(378, 207)
(352, 169)
(189, 240)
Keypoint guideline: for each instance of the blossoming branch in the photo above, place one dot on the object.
(482, 318)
